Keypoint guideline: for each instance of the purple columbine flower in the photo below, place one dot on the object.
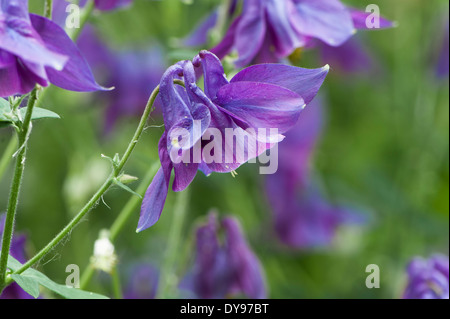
(143, 283)
(276, 28)
(227, 268)
(302, 217)
(17, 250)
(35, 50)
(428, 278)
(267, 97)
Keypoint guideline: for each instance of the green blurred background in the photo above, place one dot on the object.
(384, 149)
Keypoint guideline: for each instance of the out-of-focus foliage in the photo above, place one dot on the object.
(384, 151)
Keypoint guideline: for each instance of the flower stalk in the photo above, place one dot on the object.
(23, 134)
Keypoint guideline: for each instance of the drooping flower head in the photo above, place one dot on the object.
(35, 50)
(224, 268)
(302, 217)
(17, 250)
(225, 125)
(428, 278)
(277, 27)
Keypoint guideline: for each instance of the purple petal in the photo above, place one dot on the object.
(153, 202)
(19, 38)
(286, 39)
(251, 30)
(107, 5)
(327, 20)
(17, 78)
(244, 263)
(200, 35)
(227, 43)
(214, 75)
(262, 105)
(304, 82)
(360, 17)
(76, 75)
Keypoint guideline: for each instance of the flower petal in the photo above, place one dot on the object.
(304, 82)
(286, 39)
(360, 17)
(227, 43)
(327, 20)
(213, 73)
(76, 75)
(200, 35)
(262, 105)
(252, 30)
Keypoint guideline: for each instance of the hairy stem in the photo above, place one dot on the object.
(168, 279)
(13, 200)
(103, 189)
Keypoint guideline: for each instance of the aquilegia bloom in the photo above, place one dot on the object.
(17, 250)
(259, 98)
(35, 50)
(275, 28)
(224, 269)
(428, 278)
(302, 217)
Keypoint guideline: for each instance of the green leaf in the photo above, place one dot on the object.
(125, 187)
(39, 113)
(30, 285)
(4, 109)
(31, 277)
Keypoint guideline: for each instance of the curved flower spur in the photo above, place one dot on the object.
(201, 125)
(35, 50)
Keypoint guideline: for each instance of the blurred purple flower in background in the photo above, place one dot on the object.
(279, 27)
(134, 74)
(143, 283)
(35, 50)
(276, 28)
(17, 250)
(268, 96)
(302, 218)
(428, 278)
(107, 5)
(442, 66)
(224, 269)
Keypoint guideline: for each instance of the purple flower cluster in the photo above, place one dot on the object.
(428, 278)
(35, 50)
(276, 28)
(267, 96)
(302, 217)
(227, 268)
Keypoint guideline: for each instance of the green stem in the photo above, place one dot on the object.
(103, 189)
(24, 132)
(117, 287)
(121, 220)
(167, 276)
(48, 8)
(7, 155)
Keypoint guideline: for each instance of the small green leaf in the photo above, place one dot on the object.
(39, 113)
(4, 109)
(30, 285)
(31, 275)
(125, 187)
